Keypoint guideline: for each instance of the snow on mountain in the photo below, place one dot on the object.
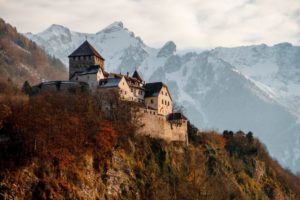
(275, 69)
(253, 88)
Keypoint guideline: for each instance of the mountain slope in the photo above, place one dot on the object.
(275, 69)
(62, 146)
(215, 91)
(21, 59)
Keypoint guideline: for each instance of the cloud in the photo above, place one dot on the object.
(189, 23)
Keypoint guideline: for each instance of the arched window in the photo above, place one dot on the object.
(151, 101)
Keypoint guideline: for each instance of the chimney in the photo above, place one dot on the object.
(127, 73)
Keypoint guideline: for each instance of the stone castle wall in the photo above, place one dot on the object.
(157, 126)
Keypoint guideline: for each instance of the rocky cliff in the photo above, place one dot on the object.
(61, 147)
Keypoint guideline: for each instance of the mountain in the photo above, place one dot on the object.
(275, 70)
(21, 59)
(61, 146)
(251, 88)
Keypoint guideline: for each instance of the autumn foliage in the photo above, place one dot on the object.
(75, 145)
(21, 59)
(62, 126)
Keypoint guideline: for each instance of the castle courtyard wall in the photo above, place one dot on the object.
(157, 126)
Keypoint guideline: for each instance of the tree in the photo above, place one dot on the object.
(26, 88)
(178, 109)
(250, 137)
(192, 133)
(227, 134)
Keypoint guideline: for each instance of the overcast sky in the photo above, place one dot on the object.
(189, 23)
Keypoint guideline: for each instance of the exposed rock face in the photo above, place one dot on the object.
(120, 179)
(167, 50)
(259, 171)
(149, 169)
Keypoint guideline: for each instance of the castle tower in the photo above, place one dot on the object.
(84, 57)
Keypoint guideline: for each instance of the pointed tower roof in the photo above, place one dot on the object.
(86, 49)
(137, 76)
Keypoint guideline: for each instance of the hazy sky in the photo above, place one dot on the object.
(189, 23)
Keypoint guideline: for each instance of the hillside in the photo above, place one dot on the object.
(62, 147)
(253, 88)
(21, 59)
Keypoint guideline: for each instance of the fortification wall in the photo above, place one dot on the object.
(157, 126)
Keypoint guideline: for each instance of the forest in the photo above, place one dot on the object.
(64, 145)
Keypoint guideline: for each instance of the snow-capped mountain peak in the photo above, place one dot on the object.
(56, 27)
(116, 26)
(167, 50)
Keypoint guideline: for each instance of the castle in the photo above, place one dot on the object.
(86, 66)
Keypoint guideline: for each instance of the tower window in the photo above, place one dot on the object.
(151, 101)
